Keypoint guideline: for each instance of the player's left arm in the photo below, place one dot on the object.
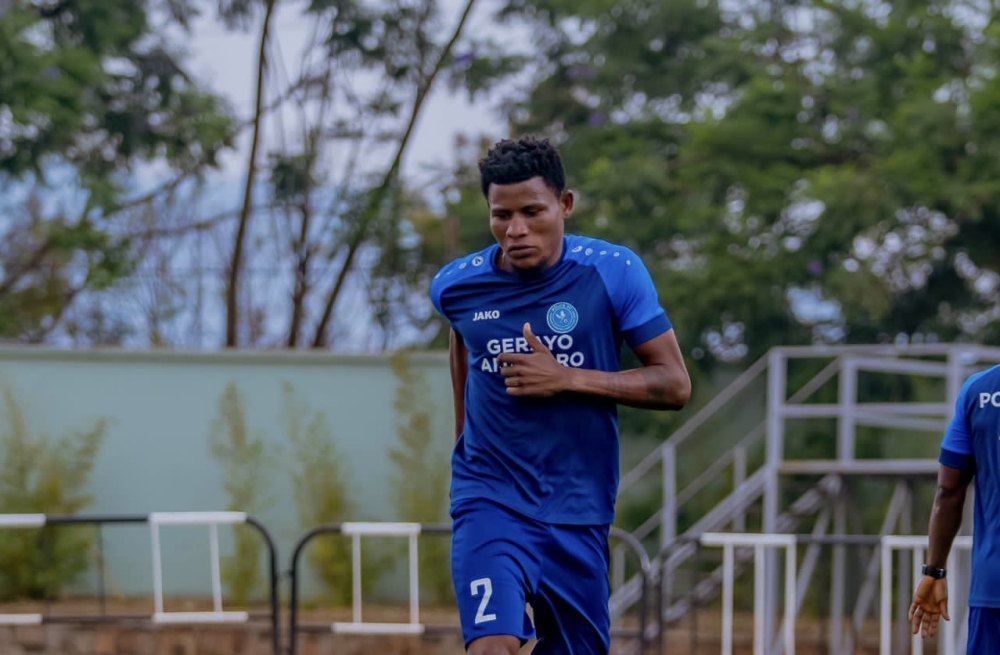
(662, 382)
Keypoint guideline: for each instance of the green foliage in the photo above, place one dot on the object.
(420, 486)
(38, 475)
(148, 106)
(90, 91)
(246, 463)
(791, 173)
(323, 495)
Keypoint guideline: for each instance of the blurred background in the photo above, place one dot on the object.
(219, 221)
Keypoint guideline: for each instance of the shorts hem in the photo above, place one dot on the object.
(522, 640)
(458, 501)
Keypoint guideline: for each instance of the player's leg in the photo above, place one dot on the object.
(493, 568)
(984, 631)
(571, 607)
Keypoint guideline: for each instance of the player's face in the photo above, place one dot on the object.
(527, 221)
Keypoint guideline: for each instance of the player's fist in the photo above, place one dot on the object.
(536, 374)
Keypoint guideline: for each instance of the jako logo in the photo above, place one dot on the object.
(487, 315)
(990, 398)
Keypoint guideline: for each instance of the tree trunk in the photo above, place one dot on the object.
(379, 194)
(236, 261)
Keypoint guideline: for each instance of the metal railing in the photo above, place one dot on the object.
(357, 625)
(740, 551)
(156, 520)
(728, 542)
(847, 359)
(764, 442)
(952, 637)
(414, 626)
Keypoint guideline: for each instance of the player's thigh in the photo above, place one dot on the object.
(571, 608)
(492, 569)
(984, 631)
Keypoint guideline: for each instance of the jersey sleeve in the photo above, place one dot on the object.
(634, 298)
(956, 446)
(436, 290)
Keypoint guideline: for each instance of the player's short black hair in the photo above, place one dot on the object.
(513, 161)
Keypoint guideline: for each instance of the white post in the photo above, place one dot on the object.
(213, 540)
(154, 532)
(775, 454)
(885, 602)
(739, 477)
(759, 598)
(791, 602)
(356, 571)
(414, 581)
(728, 565)
(668, 519)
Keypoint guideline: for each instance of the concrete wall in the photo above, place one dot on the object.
(156, 456)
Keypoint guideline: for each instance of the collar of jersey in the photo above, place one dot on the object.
(495, 250)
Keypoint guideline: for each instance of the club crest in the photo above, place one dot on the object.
(562, 317)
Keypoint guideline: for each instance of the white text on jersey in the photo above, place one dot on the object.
(488, 315)
(991, 398)
(560, 345)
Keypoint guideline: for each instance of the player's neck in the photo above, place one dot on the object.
(505, 265)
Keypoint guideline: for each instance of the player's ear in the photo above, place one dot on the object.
(566, 201)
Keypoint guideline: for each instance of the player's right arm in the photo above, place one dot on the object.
(458, 363)
(946, 517)
(458, 354)
(954, 476)
(957, 459)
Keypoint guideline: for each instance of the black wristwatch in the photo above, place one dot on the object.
(936, 573)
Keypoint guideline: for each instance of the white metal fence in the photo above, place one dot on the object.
(953, 633)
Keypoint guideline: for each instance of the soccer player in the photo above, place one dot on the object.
(537, 325)
(970, 448)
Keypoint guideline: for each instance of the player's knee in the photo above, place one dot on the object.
(498, 645)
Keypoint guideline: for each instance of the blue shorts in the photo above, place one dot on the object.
(984, 631)
(502, 561)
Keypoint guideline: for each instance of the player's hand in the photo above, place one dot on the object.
(930, 604)
(535, 374)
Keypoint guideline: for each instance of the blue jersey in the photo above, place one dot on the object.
(551, 459)
(972, 442)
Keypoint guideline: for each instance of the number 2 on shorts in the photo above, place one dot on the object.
(487, 588)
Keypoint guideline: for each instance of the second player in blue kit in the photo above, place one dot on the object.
(538, 322)
(970, 454)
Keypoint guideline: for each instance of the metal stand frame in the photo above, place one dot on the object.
(952, 363)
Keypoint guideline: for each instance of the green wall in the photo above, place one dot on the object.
(156, 454)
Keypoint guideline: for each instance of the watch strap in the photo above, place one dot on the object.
(934, 572)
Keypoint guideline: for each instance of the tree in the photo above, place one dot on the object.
(792, 173)
(321, 227)
(90, 94)
(361, 90)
